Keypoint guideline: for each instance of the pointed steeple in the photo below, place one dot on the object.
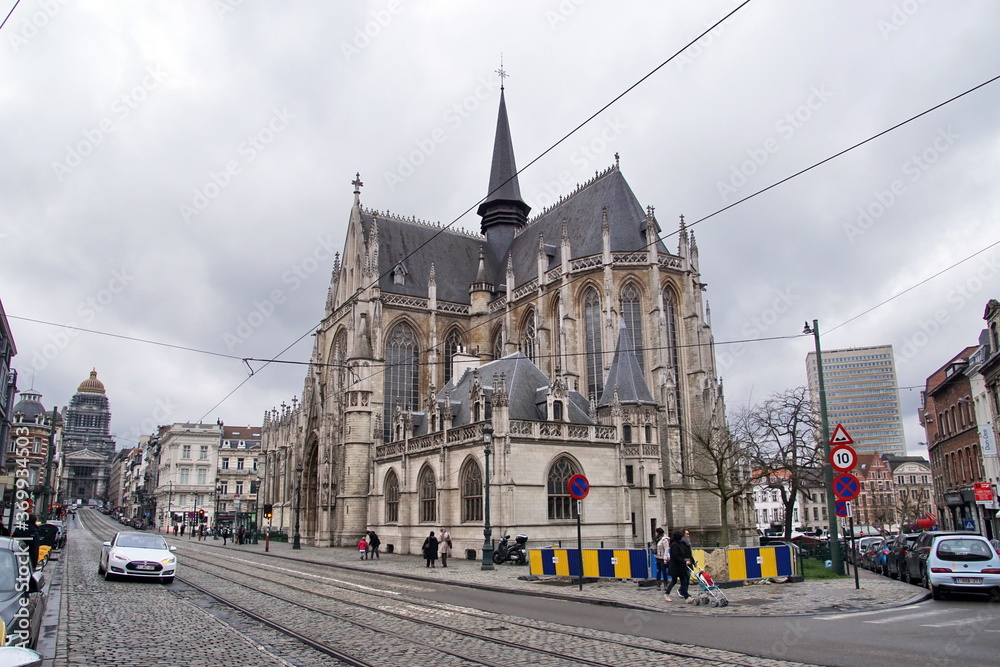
(625, 381)
(503, 212)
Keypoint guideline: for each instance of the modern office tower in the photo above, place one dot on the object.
(861, 394)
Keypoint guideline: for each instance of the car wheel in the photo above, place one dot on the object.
(936, 592)
(108, 576)
(100, 569)
(905, 575)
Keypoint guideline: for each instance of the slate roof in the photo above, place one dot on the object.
(527, 389)
(503, 171)
(625, 374)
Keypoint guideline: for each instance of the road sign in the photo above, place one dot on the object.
(840, 437)
(843, 458)
(578, 487)
(969, 524)
(984, 492)
(843, 508)
(846, 486)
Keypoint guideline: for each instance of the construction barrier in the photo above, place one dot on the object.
(760, 562)
(601, 563)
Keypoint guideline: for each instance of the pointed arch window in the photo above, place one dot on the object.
(452, 344)
(472, 493)
(428, 496)
(592, 335)
(669, 315)
(401, 374)
(391, 498)
(339, 356)
(561, 505)
(498, 344)
(632, 314)
(528, 334)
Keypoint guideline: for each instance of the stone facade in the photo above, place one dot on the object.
(577, 336)
(88, 446)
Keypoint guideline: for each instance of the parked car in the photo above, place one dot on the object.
(882, 557)
(860, 547)
(869, 552)
(15, 593)
(946, 561)
(899, 547)
(143, 555)
(61, 536)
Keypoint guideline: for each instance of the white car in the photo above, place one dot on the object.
(143, 555)
(959, 563)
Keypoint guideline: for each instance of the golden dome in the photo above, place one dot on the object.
(92, 384)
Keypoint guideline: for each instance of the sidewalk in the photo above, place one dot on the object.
(760, 599)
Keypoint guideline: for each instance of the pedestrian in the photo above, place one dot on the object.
(225, 535)
(363, 548)
(445, 546)
(175, 530)
(182, 530)
(431, 550)
(687, 538)
(240, 534)
(661, 551)
(3, 529)
(680, 561)
(373, 543)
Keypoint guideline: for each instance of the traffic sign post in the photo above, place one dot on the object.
(840, 437)
(578, 488)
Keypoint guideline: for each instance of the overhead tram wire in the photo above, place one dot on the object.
(9, 13)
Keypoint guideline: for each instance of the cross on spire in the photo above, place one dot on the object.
(357, 183)
(503, 74)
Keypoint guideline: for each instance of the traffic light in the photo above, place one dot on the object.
(201, 517)
(268, 508)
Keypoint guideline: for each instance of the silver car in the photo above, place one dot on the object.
(22, 597)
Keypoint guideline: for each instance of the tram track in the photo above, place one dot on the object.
(345, 623)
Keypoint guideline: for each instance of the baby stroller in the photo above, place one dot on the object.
(708, 591)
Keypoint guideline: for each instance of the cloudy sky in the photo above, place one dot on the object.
(180, 172)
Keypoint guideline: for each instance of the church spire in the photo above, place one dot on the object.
(503, 212)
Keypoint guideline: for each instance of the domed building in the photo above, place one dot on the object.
(88, 446)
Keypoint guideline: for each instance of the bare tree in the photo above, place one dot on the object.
(781, 435)
(720, 464)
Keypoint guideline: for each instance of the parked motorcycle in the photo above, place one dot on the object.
(516, 551)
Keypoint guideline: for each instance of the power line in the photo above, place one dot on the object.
(8, 14)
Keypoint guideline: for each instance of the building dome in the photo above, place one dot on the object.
(92, 384)
(30, 406)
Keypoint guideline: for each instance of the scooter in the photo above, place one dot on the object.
(506, 551)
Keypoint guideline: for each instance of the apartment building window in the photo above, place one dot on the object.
(185, 475)
(186, 452)
(202, 476)
(225, 463)
(239, 464)
(239, 488)
(203, 454)
(223, 488)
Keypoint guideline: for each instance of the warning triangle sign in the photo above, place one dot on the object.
(840, 436)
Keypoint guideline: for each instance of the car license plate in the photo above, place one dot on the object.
(968, 580)
(145, 567)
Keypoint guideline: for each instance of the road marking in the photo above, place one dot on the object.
(834, 617)
(963, 621)
(910, 617)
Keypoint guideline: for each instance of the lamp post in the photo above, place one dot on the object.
(831, 509)
(218, 497)
(487, 530)
(297, 539)
(256, 509)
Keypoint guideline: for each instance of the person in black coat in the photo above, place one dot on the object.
(431, 550)
(373, 544)
(680, 560)
(32, 538)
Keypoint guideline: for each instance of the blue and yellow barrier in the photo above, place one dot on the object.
(743, 563)
(602, 563)
(760, 562)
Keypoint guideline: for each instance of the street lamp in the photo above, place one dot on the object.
(218, 497)
(256, 509)
(831, 508)
(297, 539)
(487, 530)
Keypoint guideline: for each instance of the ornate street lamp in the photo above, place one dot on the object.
(487, 530)
(297, 539)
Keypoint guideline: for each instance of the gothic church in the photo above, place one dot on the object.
(575, 335)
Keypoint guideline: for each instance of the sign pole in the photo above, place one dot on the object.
(850, 515)
(579, 539)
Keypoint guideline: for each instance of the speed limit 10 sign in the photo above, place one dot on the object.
(843, 458)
